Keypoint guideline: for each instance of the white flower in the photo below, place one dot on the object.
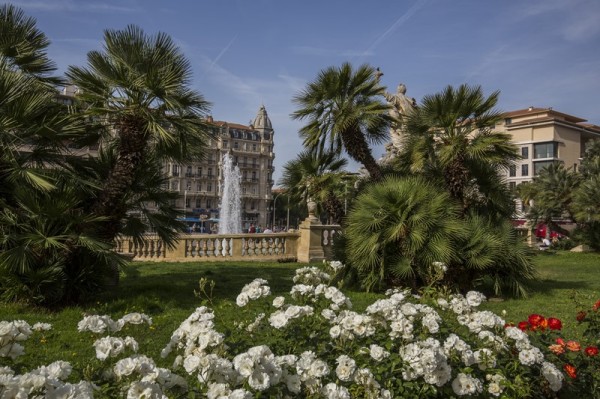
(278, 301)
(474, 298)
(333, 391)
(278, 319)
(98, 324)
(377, 352)
(552, 375)
(135, 318)
(144, 389)
(345, 368)
(336, 265)
(259, 380)
(242, 299)
(112, 346)
(465, 384)
(41, 327)
(531, 356)
(217, 391)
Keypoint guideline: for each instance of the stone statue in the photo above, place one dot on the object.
(402, 106)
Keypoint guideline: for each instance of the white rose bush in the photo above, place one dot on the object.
(308, 344)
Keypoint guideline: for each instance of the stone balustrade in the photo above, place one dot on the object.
(312, 243)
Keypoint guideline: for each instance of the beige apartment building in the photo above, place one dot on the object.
(199, 182)
(545, 136)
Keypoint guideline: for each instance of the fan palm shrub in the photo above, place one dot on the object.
(397, 229)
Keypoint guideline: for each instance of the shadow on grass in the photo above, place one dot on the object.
(160, 287)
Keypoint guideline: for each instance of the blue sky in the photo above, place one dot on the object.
(544, 53)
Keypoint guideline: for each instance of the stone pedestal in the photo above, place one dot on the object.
(310, 248)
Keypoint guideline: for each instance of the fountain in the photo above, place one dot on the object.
(230, 217)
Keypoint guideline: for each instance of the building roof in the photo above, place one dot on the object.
(233, 125)
(262, 120)
(545, 112)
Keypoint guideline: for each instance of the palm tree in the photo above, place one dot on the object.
(138, 89)
(553, 192)
(450, 137)
(345, 111)
(397, 229)
(316, 176)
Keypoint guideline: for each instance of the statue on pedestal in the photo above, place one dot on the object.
(402, 106)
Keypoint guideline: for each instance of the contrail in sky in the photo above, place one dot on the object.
(212, 64)
(399, 22)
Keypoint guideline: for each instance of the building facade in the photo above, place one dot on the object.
(199, 182)
(545, 136)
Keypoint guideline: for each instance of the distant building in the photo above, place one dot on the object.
(199, 182)
(545, 136)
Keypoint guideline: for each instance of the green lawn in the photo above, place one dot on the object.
(165, 291)
(563, 276)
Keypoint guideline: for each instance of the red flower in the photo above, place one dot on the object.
(537, 321)
(581, 316)
(597, 304)
(554, 324)
(591, 350)
(571, 370)
(560, 341)
(523, 326)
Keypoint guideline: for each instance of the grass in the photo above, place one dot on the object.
(564, 278)
(165, 291)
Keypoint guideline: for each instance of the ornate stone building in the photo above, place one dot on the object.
(199, 183)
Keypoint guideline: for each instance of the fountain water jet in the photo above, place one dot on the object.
(230, 217)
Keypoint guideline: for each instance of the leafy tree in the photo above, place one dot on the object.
(137, 88)
(344, 111)
(450, 138)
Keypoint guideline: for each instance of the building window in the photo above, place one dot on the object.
(254, 147)
(236, 145)
(208, 204)
(199, 187)
(507, 121)
(175, 185)
(545, 150)
(187, 203)
(175, 169)
(512, 185)
(209, 186)
(525, 152)
(188, 172)
(538, 166)
(209, 172)
(198, 203)
(512, 171)
(267, 136)
(525, 170)
(225, 143)
(199, 171)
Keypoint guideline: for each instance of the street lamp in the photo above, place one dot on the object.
(274, 207)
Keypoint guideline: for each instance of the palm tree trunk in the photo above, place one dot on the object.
(110, 203)
(131, 150)
(357, 147)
